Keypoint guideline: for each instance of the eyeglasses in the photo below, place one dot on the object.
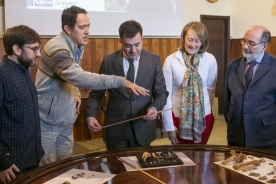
(249, 43)
(35, 49)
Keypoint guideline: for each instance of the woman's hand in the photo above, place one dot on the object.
(173, 137)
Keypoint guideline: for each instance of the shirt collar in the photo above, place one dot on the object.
(126, 57)
(15, 64)
(259, 59)
(79, 48)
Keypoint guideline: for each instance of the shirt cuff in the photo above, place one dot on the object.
(152, 107)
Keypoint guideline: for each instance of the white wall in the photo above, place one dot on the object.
(243, 13)
(246, 13)
(192, 9)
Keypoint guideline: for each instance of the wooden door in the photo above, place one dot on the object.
(219, 39)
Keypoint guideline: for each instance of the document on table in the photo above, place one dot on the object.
(85, 177)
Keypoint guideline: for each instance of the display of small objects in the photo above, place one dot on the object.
(271, 173)
(243, 163)
(271, 181)
(263, 178)
(159, 158)
(236, 158)
(81, 175)
(254, 174)
(78, 176)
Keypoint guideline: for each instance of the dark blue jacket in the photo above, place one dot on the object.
(20, 136)
(251, 114)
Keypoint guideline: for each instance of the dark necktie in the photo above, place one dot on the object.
(130, 72)
(249, 73)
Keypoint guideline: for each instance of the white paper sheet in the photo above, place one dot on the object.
(264, 168)
(89, 177)
(133, 161)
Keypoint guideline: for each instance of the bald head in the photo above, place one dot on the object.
(259, 33)
(255, 42)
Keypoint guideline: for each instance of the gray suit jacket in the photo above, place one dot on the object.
(122, 105)
(251, 114)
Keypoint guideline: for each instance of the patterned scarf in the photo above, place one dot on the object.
(192, 115)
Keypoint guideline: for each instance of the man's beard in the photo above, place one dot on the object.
(250, 55)
(26, 62)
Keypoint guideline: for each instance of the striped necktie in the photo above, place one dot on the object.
(249, 73)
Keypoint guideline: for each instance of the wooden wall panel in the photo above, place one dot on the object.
(272, 47)
(99, 52)
(2, 50)
(146, 44)
(155, 46)
(235, 49)
(112, 45)
(164, 49)
(88, 56)
(173, 45)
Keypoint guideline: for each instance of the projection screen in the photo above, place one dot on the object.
(159, 18)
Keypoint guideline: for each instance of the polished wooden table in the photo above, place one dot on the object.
(204, 157)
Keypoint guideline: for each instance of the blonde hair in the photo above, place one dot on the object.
(201, 32)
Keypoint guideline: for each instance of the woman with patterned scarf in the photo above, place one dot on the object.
(190, 75)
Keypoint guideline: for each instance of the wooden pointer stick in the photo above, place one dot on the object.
(140, 170)
(138, 117)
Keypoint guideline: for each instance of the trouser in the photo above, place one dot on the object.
(57, 142)
(129, 140)
(209, 119)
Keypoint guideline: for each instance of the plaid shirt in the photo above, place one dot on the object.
(20, 136)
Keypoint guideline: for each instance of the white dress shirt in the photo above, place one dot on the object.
(136, 66)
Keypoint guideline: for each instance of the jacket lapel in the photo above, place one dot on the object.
(142, 70)
(179, 57)
(265, 66)
(119, 68)
(241, 71)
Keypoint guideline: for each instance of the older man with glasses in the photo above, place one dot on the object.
(250, 94)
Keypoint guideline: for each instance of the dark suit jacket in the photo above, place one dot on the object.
(122, 105)
(251, 114)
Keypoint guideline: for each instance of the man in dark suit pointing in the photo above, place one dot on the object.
(250, 93)
(144, 68)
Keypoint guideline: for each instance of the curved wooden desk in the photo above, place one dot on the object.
(205, 170)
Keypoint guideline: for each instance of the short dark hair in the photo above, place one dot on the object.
(19, 35)
(69, 16)
(266, 36)
(130, 28)
(201, 32)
